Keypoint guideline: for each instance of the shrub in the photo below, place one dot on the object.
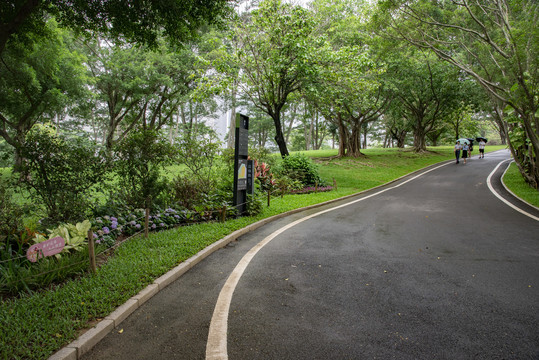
(264, 175)
(60, 173)
(187, 191)
(10, 213)
(255, 205)
(285, 184)
(140, 159)
(200, 154)
(18, 274)
(300, 167)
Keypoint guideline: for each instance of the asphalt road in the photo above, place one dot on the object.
(434, 267)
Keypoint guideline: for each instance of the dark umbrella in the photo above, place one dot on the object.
(481, 138)
(471, 140)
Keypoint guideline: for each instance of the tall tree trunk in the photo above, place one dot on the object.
(419, 141)
(343, 137)
(288, 129)
(279, 136)
(354, 142)
(308, 129)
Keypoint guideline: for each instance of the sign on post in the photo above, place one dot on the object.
(242, 174)
(46, 248)
(243, 168)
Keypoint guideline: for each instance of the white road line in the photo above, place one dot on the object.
(501, 198)
(216, 347)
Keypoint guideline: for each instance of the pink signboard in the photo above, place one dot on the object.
(46, 248)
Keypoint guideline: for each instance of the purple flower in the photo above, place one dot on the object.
(113, 219)
(106, 230)
(177, 216)
(133, 223)
(153, 226)
(137, 226)
(162, 224)
(114, 225)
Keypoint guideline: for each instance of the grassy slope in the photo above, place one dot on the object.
(36, 325)
(514, 181)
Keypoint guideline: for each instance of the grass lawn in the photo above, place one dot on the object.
(36, 325)
(514, 181)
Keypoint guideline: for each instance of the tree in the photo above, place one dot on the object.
(425, 90)
(140, 159)
(273, 49)
(39, 77)
(138, 22)
(61, 172)
(494, 41)
(140, 86)
(348, 92)
(346, 86)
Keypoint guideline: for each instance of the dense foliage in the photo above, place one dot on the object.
(301, 168)
(61, 173)
(139, 161)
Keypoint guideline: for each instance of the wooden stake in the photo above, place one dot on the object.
(91, 251)
(223, 214)
(146, 222)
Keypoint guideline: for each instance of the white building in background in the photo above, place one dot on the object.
(220, 124)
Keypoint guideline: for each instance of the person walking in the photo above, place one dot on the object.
(465, 149)
(482, 144)
(470, 149)
(458, 147)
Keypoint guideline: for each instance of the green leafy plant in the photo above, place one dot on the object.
(187, 191)
(300, 167)
(75, 236)
(199, 154)
(255, 205)
(264, 175)
(10, 212)
(140, 159)
(60, 173)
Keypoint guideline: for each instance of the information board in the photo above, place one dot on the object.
(241, 163)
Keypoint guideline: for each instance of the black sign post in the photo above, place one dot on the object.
(243, 168)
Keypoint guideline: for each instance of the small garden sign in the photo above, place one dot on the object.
(46, 248)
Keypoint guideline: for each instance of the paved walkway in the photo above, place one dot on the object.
(431, 266)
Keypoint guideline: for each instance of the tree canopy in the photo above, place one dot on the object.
(494, 41)
(391, 71)
(138, 21)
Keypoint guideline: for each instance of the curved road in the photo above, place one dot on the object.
(433, 266)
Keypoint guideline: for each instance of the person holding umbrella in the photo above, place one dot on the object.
(458, 147)
(482, 143)
(465, 149)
